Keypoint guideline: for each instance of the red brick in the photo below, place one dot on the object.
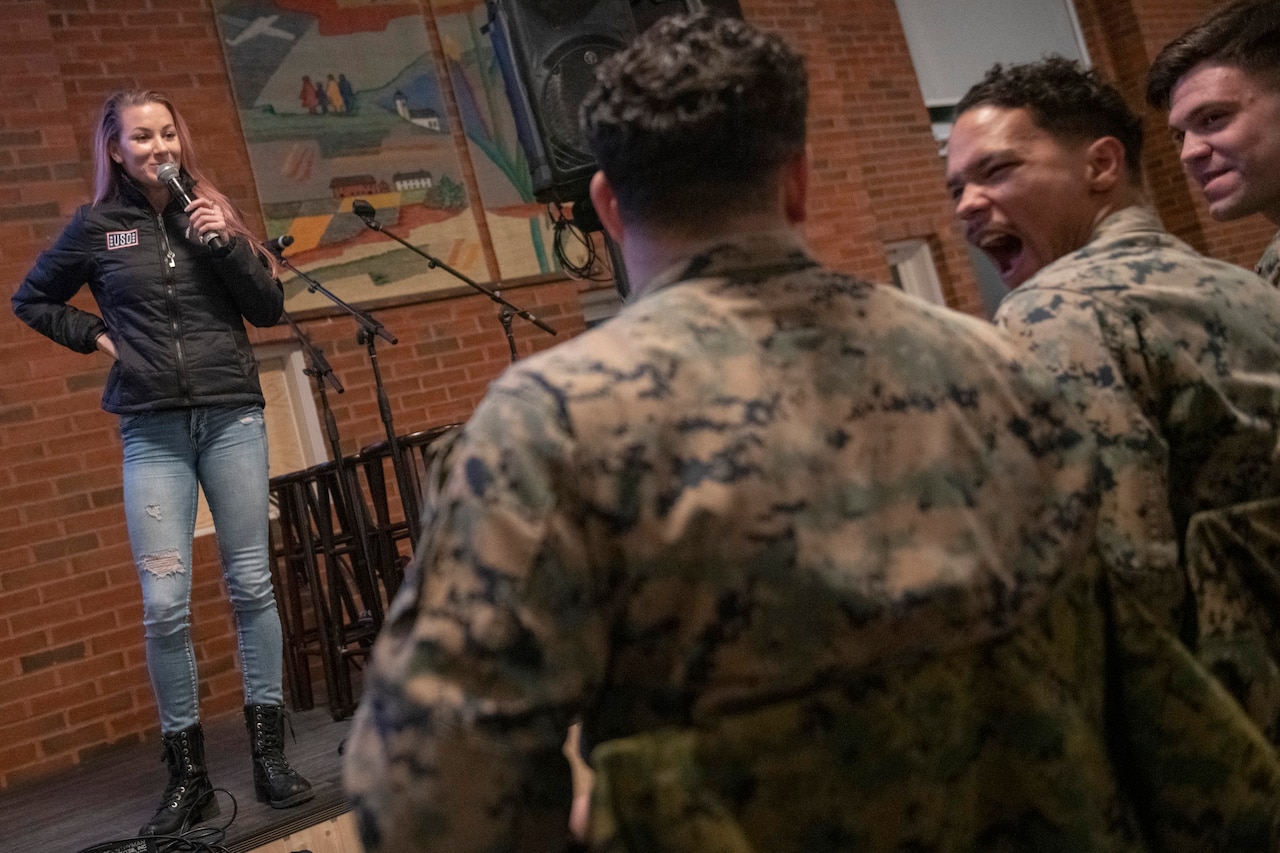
(70, 740)
(97, 709)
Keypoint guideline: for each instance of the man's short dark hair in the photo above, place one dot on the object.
(694, 117)
(1064, 100)
(1244, 34)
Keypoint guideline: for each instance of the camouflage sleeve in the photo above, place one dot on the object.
(1269, 264)
(1096, 356)
(486, 652)
(1233, 565)
(1201, 773)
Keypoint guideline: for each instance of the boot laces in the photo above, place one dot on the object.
(181, 770)
(270, 744)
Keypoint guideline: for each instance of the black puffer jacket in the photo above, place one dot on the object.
(174, 308)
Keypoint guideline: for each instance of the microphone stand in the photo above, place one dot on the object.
(370, 331)
(365, 211)
(504, 317)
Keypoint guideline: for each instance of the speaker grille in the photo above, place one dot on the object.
(570, 75)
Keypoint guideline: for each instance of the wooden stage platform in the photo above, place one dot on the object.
(110, 796)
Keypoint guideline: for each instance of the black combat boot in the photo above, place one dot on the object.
(274, 781)
(188, 798)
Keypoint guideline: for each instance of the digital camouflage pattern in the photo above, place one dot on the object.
(1233, 557)
(811, 537)
(1174, 358)
(994, 747)
(1269, 264)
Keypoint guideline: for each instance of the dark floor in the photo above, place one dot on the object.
(112, 795)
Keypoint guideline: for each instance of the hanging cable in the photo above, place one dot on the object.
(569, 235)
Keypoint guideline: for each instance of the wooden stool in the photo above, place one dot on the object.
(390, 532)
(319, 561)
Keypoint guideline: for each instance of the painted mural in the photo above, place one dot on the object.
(339, 100)
(517, 222)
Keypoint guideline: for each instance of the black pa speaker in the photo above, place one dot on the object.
(547, 51)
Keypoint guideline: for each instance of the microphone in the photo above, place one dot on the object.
(365, 211)
(279, 244)
(168, 175)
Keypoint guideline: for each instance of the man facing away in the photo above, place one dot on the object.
(1171, 356)
(1220, 82)
(808, 558)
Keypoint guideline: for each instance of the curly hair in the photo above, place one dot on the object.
(1064, 100)
(1245, 34)
(695, 115)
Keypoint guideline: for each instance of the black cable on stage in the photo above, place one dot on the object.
(201, 839)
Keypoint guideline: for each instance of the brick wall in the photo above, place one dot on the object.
(72, 670)
(877, 176)
(72, 674)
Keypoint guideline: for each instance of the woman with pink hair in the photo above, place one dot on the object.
(172, 304)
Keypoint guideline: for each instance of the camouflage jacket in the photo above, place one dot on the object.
(837, 532)
(1174, 358)
(1269, 264)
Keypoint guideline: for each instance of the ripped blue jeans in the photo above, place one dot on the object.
(224, 449)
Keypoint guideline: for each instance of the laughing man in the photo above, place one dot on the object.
(1170, 355)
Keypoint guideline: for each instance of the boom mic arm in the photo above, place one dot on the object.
(365, 211)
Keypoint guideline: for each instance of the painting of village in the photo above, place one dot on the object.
(339, 101)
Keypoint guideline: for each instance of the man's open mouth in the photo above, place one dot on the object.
(1003, 249)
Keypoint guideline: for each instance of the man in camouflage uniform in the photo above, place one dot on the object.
(808, 558)
(1220, 82)
(1172, 357)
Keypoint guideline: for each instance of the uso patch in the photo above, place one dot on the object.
(121, 239)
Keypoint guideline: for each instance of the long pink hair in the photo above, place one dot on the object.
(109, 176)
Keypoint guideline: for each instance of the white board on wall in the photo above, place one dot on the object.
(954, 42)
